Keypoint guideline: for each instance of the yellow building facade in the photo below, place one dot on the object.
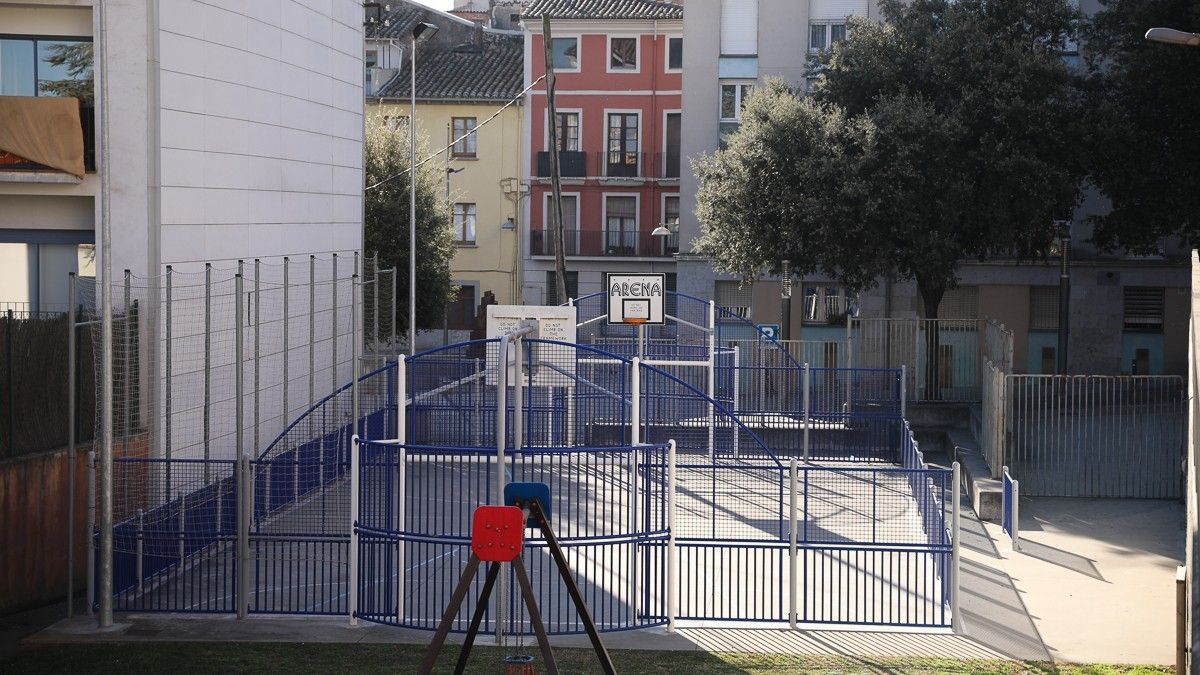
(466, 76)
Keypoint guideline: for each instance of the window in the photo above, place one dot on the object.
(372, 58)
(735, 298)
(572, 284)
(620, 225)
(566, 53)
(568, 131)
(1043, 308)
(622, 144)
(570, 208)
(671, 156)
(622, 53)
(542, 242)
(465, 147)
(739, 27)
(675, 53)
(733, 97)
(464, 223)
(671, 220)
(826, 304)
(1144, 308)
(46, 67)
(822, 36)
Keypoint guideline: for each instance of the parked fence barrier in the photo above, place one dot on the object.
(891, 343)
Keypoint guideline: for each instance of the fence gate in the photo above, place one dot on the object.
(1096, 435)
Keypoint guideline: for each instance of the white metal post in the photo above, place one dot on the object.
(106, 335)
(903, 391)
(244, 476)
(1016, 515)
(352, 590)
(402, 480)
(736, 400)
(635, 438)
(501, 442)
(518, 396)
(712, 373)
(355, 317)
(672, 553)
(793, 550)
(807, 413)
(641, 340)
(955, 556)
(71, 456)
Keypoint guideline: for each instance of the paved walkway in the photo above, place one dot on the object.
(1094, 582)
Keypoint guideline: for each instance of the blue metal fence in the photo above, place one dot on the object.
(1011, 513)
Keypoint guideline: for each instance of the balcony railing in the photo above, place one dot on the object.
(578, 164)
(571, 164)
(603, 243)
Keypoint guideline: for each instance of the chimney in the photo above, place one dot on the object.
(479, 34)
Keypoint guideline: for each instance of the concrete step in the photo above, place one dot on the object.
(987, 493)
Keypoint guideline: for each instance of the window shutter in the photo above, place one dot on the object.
(735, 297)
(1043, 307)
(739, 26)
(1143, 308)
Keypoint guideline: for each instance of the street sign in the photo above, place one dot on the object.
(770, 330)
(636, 298)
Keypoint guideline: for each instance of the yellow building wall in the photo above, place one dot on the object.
(490, 180)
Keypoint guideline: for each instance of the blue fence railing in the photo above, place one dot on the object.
(1011, 514)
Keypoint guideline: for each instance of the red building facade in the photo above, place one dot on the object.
(618, 66)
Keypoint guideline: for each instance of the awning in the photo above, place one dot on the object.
(43, 129)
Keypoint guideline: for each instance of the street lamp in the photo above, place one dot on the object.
(418, 30)
(785, 301)
(663, 230)
(1064, 291)
(1173, 37)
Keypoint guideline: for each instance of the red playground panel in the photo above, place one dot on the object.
(497, 533)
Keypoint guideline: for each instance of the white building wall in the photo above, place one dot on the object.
(261, 128)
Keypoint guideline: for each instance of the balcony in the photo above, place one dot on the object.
(571, 164)
(599, 243)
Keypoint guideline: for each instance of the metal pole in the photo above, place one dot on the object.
(785, 301)
(71, 294)
(333, 331)
(1064, 295)
(257, 332)
(375, 299)
(501, 442)
(672, 553)
(207, 368)
(712, 373)
(355, 291)
(91, 534)
(402, 508)
(641, 340)
(167, 401)
(352, 590)
(793, 549)
(243, 504)
(635, 438)
(395, 281)
(806, 386)
(8, 360)
(126, 368)
(287, 319)
(412, 204)
(312, 329)
(518, 395)
(106, 338)
(903, 390)
(956, 566)
(734, 429)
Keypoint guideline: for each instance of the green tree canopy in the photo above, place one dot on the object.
(949, 131)
(1145, 103)
(387, 218)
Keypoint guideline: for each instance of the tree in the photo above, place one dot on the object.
(950, 131)
(1144, 100)
(386, 222)
(76, 57)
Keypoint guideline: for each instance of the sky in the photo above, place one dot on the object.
(444, 5)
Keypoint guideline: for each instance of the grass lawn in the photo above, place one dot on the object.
(224, 657)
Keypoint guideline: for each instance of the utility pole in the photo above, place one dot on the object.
(1064, 293)
(560, 259)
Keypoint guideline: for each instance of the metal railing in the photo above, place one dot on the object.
(954, 375)
(604, 243)
(1010, 521)
(1095, 435)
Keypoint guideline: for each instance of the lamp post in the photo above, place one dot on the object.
(664, 231)
(1173, 37)
(1064, 292)
(418, 30)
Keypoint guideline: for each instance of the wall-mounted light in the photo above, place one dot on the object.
(508, 224)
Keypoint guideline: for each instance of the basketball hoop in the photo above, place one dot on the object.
(634, 320)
